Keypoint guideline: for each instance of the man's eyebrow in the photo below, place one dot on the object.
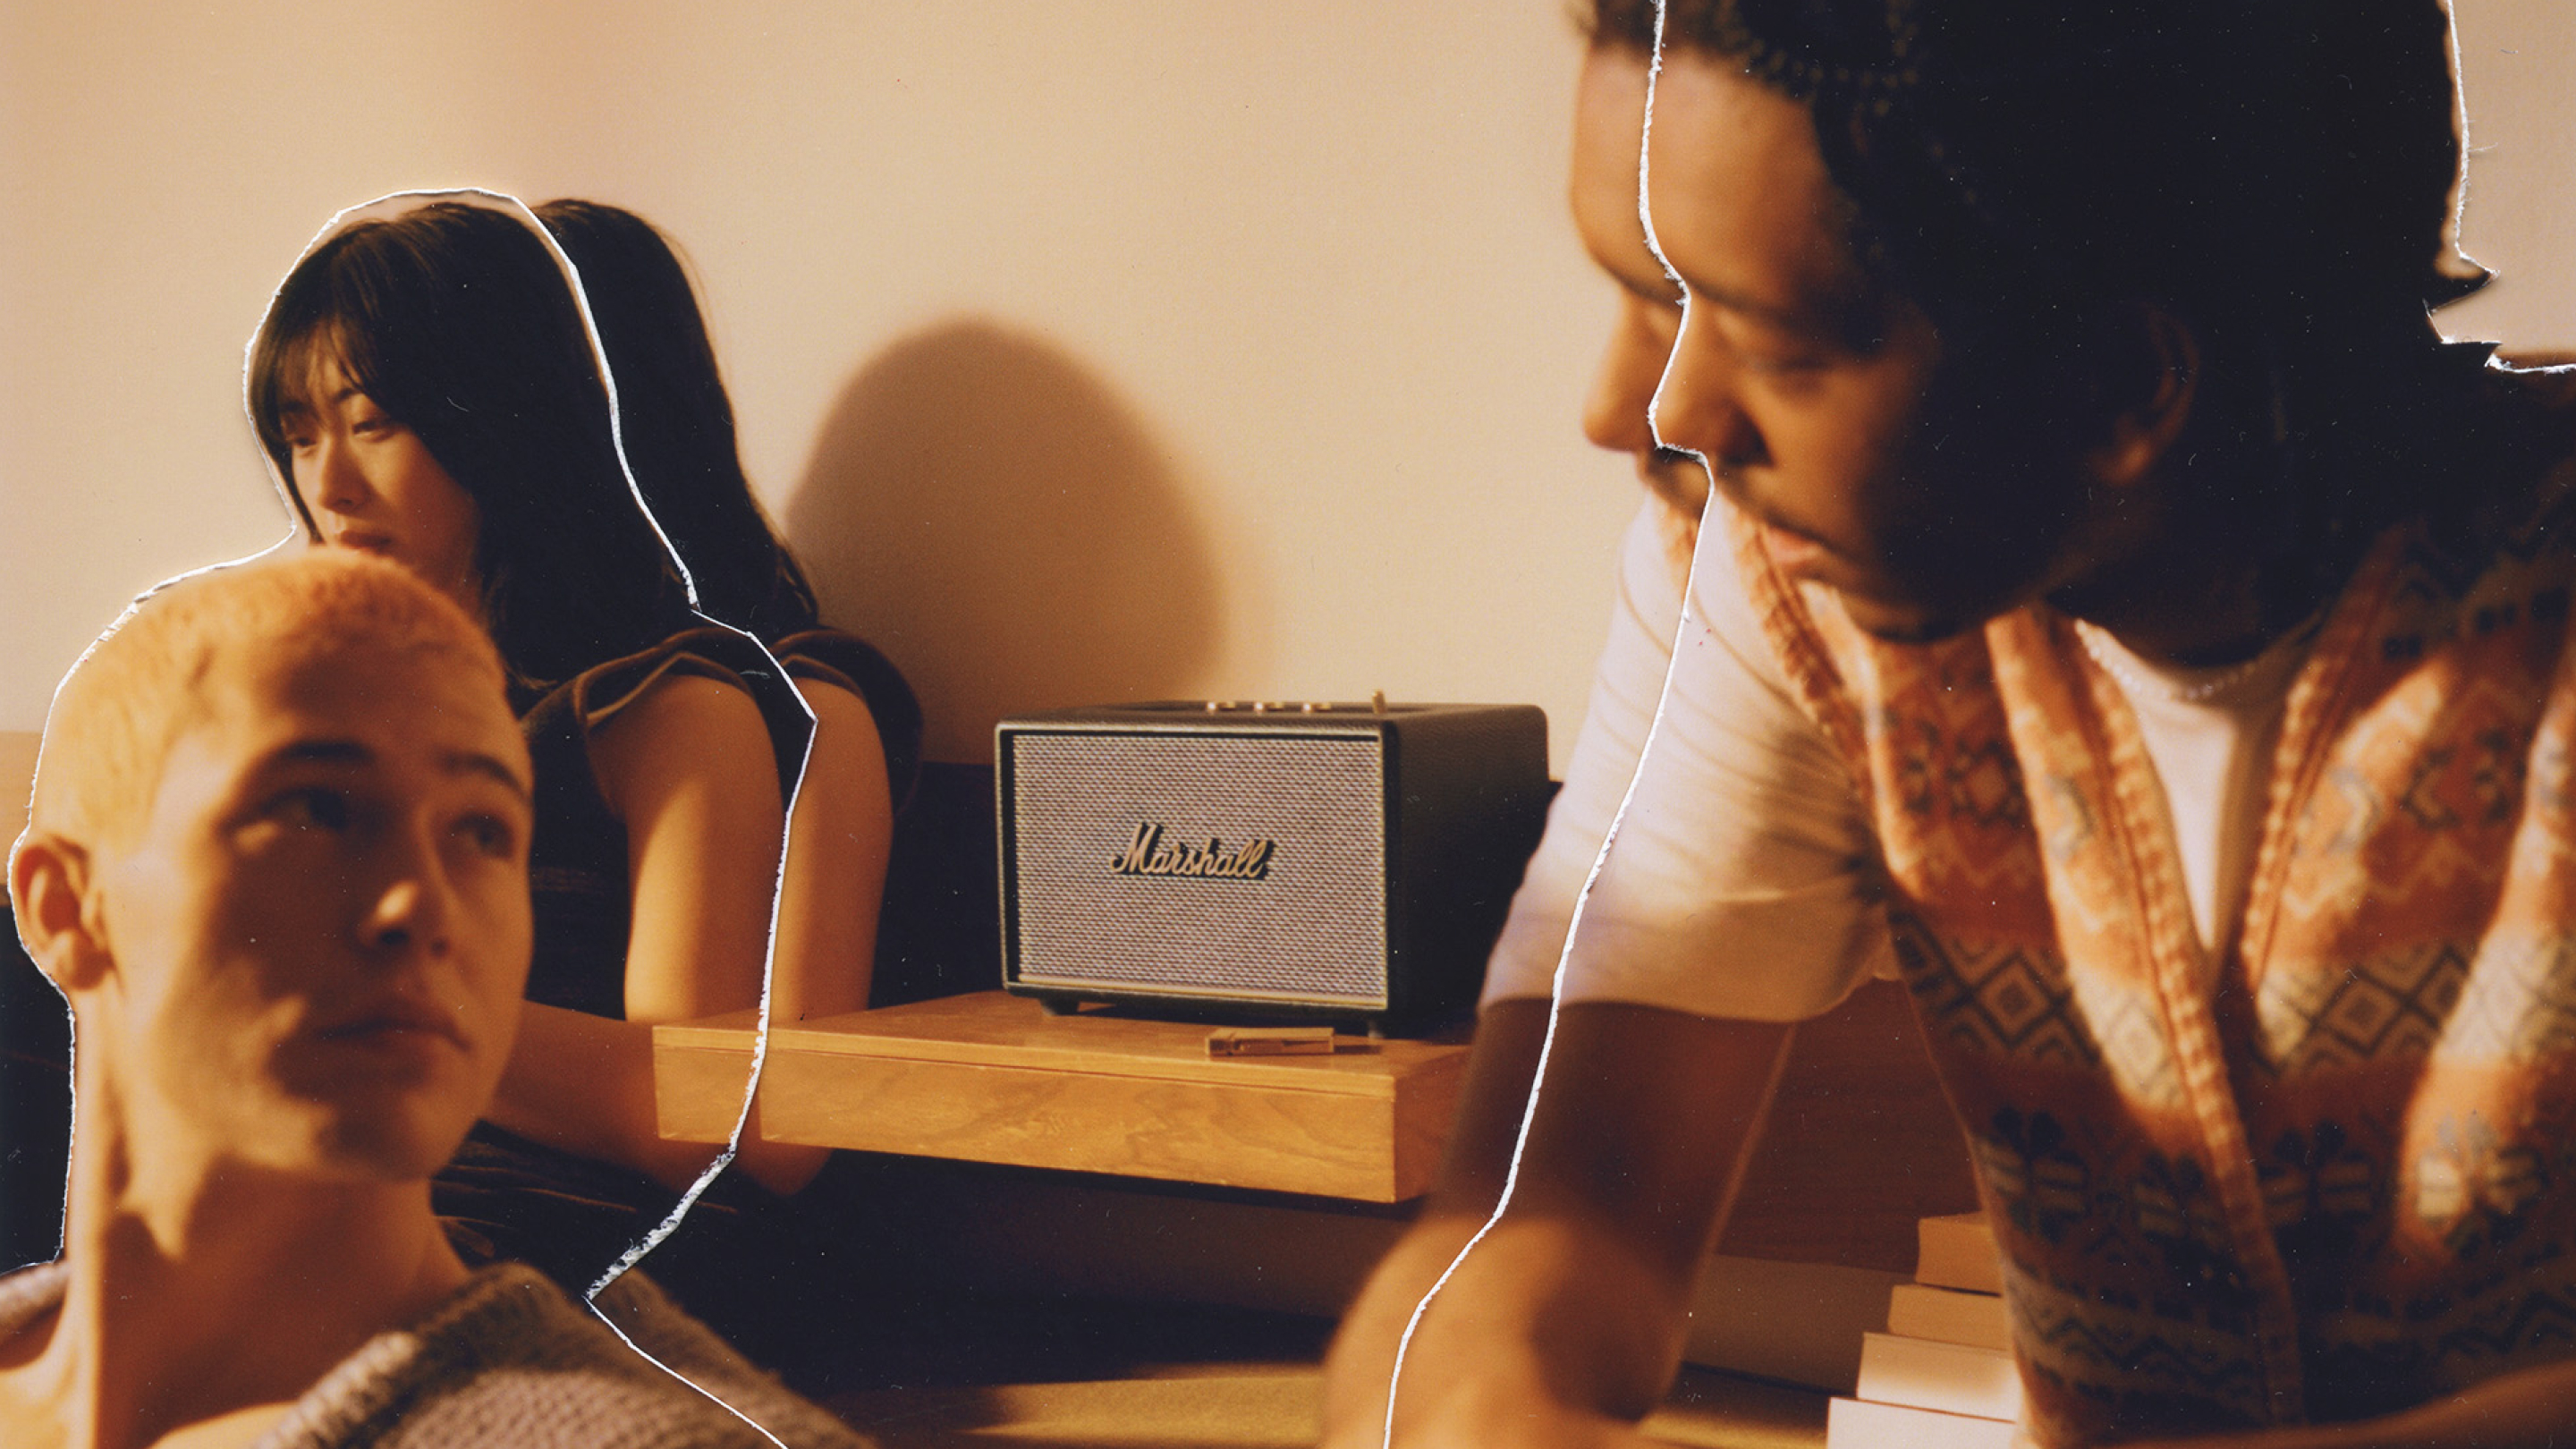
(351, 752)
(1850, 317)
(1794, 319)
(323, 752)
(474, 762)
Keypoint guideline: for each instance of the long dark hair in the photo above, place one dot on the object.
(456, 320)
(678, 423)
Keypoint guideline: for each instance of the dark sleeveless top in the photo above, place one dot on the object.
(572, 1217)
(577, 860)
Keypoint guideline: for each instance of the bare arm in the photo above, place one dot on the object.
(584, 1084)
(688, 767)
(1567, 1320)
(837, 846)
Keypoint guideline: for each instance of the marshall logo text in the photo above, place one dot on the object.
(1146, 854)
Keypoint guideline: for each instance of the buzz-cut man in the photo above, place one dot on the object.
(277, 862)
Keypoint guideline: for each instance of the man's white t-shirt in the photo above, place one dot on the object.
(1744, 881)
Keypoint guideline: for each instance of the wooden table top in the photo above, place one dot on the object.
(995, 1028)
(990, 1077)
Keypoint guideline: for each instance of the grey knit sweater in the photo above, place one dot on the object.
(509, 1360)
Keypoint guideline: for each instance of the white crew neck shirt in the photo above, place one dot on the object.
(1744, 881)
(2210, 734)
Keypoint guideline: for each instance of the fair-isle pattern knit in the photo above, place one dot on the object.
(2347, 1184)
(509, 1360)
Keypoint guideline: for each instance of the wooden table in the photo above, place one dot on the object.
(990, 1077)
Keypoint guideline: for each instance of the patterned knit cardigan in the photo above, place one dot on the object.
(2348, 1183)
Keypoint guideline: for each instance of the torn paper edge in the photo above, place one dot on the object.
(1627, 797)
(395, 203)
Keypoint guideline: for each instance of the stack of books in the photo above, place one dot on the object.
(1942, 1376)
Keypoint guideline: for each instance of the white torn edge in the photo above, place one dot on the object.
(2455, 250)
(398, 203)
(759, 1045)
(2455, 259)
(710, 1395)
(2458, 239)
(395, 204)
(62, 1220)
(1610, 837)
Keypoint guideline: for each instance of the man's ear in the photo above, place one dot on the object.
(2149, 385)
(49, 889)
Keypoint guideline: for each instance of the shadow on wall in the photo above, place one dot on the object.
(986, 510)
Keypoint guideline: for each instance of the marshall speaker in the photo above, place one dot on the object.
(1319, 860)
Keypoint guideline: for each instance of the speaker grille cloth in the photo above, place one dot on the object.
(1316, 926)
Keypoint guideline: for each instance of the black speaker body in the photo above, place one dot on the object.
(1340, 861)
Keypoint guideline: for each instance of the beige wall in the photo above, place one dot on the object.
(1091, 350)
(2520, 221)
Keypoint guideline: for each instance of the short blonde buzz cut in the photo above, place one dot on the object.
(145, 683)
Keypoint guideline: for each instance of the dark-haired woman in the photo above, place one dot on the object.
(677, 425)
(427, 390)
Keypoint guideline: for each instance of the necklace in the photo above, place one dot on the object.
(2121, 665)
